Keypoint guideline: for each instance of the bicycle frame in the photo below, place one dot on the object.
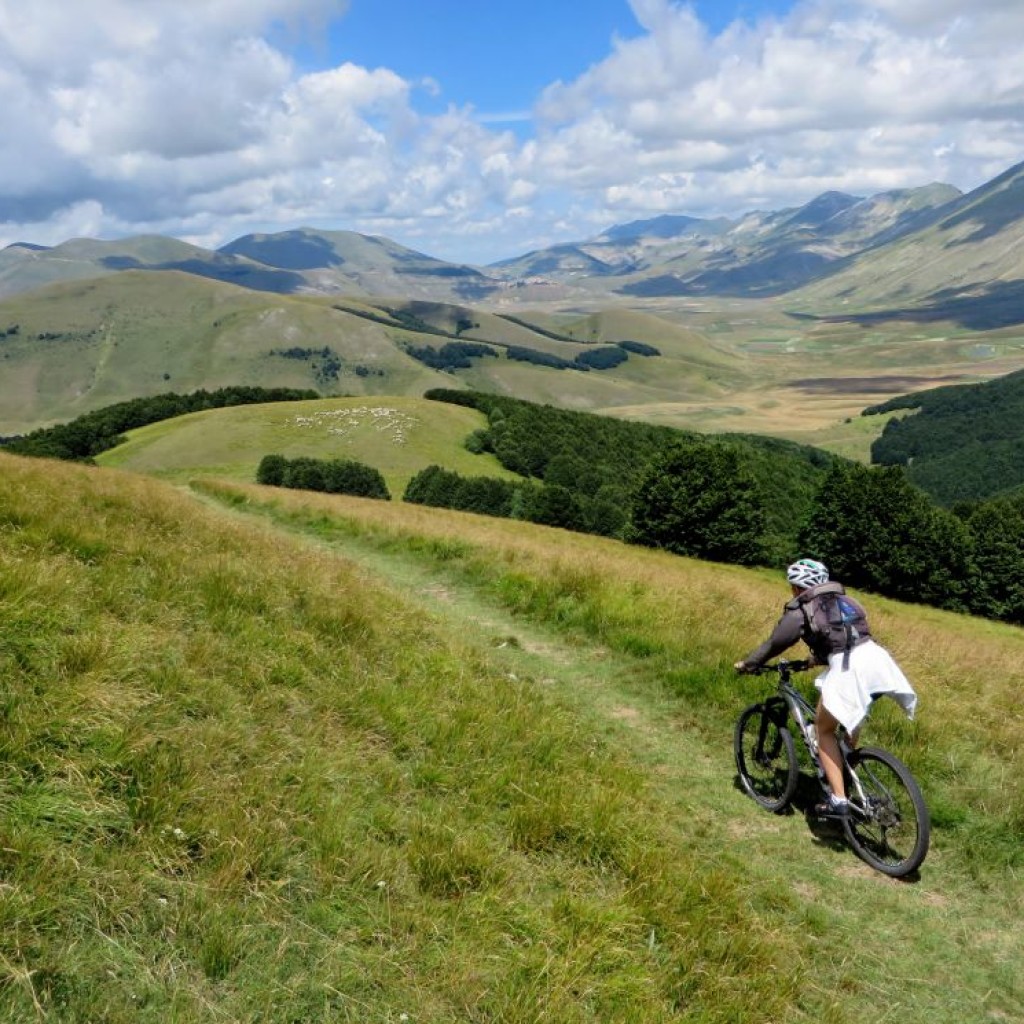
(789, 703)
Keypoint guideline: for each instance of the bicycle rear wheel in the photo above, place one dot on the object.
(889, 826)
(765, 757)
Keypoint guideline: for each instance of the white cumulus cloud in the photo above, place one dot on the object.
(198, 120)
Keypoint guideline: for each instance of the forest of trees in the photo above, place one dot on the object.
(547, 504)
(964, 442)
(600, 460)
(453, 355)
(755, 501)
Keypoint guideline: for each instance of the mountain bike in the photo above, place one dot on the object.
(888, 824)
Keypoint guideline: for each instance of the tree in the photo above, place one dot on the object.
(346, 476)
(997, 587)
(550, 505)
(305, 475)
(432, 486)
(875, 530)
(271, 470)
(697, 499)
(487, 495)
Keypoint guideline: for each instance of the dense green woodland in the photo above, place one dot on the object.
(753, 500)
(601, 460)
(963, 442)
(331, 476)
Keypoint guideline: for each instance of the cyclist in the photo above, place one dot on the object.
(834, 626)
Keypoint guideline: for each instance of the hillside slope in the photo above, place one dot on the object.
(397, 435)
(759, 254)
(967, 267)
(71, 348)
(962, 442)
(248, 777)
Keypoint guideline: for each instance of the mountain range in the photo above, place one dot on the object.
(923, 253)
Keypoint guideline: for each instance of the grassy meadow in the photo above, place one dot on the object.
(270, 756)
(398, 436)
(84, 345)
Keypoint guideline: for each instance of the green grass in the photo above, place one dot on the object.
(660, 622)
(285, 757)
(135, 334)
(398, 436)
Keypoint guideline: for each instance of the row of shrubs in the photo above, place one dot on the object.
(332, 476)
(549, 505)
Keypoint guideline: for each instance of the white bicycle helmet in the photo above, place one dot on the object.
(807, 573)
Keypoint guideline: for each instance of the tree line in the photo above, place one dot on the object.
(85, 437)
(748, 501)
(599, 459)
(330, 476)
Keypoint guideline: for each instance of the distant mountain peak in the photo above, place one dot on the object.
(665, 226)
(823, 208)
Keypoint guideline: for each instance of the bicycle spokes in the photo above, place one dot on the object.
(888, 826)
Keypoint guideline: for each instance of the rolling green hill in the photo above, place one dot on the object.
(733, 365)
(400, 436)
(397, 435)
(278, 757)
(71, 348)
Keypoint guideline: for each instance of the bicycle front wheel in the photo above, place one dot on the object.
(888, 826)
(766, 757)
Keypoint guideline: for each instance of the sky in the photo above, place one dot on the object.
(479, 130)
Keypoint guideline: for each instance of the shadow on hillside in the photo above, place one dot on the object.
(824, 832)
(997, 210)
(998, 305)
(226, 269)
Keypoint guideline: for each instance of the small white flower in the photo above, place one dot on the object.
(382, 884)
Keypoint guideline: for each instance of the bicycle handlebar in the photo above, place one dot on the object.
(781, 666)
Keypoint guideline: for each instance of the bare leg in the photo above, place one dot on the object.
(828, 749)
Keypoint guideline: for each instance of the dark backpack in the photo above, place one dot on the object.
(836, 621)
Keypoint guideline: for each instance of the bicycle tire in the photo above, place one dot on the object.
(765, 758)
(893, 832)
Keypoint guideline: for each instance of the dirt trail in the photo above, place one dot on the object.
(694, 779)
